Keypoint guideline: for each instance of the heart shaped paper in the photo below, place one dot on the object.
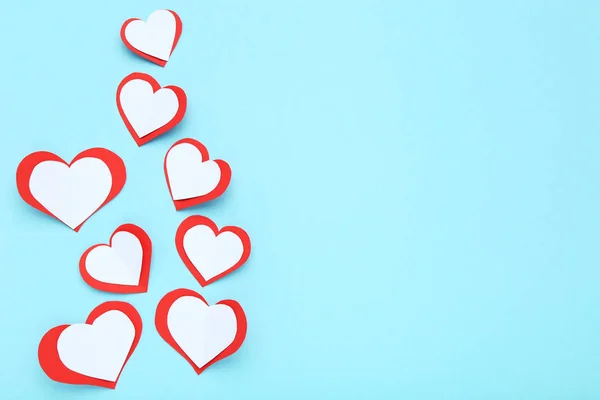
(147, 109)
(192, 177)
(210, 253)
(153, 39)
(93, 353)
(202, 334)
(71, 192)
(122, 266)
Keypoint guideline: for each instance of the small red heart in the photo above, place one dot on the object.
(228, 314)
(192, 177)
(208, 252)
(147, 109)
(100, 265)
(165, 24)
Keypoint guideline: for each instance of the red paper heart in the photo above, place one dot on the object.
(146, 244)
(162, 63)
(225, 177)
(51, 363)
(196, 220)
(181, 97)
(162, 327)
(27, 165)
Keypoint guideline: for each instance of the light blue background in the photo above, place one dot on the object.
(419, 180)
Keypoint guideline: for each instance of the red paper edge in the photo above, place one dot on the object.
(54, 368)
(162, 63)
(181, 98)
(196, 220)
(217, 191)
(113, 161)
(142, 287)
(160, 321)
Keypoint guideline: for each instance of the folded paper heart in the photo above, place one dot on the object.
(210, 253)
(153, 39)
(93, 353)
(147, 109)
(71, 192)
(202, 334)
(123, 266)
(192, 177)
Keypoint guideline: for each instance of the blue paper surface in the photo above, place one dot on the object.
(419, 180)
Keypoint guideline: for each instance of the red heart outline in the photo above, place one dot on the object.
(162, 63)
(216, 192)
(113, 162)
(142, 287)
(196, 220)
(50, 360)
(181, 98)
(160, 321)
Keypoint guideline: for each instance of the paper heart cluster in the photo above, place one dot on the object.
(123, 265)
(95, 352)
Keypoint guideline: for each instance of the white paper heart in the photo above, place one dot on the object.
(212, 255)
(72, 193)
(155, 36)
(145, 109)
(120, 263)
(201, 331)
(189, 174)
(98, 350)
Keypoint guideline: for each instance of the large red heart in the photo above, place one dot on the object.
(52, 362)
(71, 192)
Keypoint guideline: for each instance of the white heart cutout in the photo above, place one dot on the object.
(118, 263)
(201, 331)
(189, 174)
(212, 254)
(155, 36)
(71, 193)
(98, 350)
(145, 109)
